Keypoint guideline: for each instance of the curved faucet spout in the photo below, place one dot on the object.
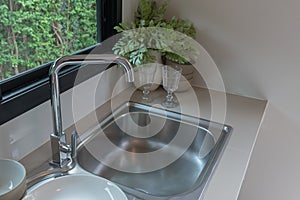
(58, 137)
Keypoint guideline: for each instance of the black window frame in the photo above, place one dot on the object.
(29, 89)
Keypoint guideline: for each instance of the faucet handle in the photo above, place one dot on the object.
(74, 144)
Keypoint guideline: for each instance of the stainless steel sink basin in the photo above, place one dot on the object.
(153, 153)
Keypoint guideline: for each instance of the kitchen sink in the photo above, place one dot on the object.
(153, 153)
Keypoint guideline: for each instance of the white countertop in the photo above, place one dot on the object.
(243, 114)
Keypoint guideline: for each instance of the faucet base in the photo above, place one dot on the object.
(65, 164)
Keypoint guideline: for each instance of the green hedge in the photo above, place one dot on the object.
(33, 32)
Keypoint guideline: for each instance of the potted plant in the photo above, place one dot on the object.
(136, 43)
(183, 51)
(151, 36)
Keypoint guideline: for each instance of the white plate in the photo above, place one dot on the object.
(77, 187)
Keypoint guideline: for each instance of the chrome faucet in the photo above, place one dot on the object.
(62, 153)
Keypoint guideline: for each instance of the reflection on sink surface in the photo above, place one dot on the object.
(76, 187)
(153, 153)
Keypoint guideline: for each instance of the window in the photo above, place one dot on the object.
(34, 33)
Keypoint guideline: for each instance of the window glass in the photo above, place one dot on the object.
(34, 32)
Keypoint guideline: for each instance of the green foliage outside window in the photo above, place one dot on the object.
(34, 32)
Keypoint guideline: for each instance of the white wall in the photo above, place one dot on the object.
(256, 45)
(128, 10)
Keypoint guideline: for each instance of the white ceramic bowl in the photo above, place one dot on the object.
(12, 179)
(76, 187)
